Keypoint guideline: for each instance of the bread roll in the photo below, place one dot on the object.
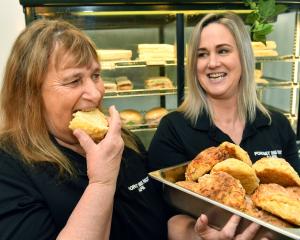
(92, 122)
(154, 115)
(130, 117)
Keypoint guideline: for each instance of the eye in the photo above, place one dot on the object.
(223, 51)
(202, 54)
(73, 82)
(96, 76)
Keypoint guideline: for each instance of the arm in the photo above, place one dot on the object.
(91, 217)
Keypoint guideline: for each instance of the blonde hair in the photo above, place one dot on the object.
(23, 130)
(196, 101)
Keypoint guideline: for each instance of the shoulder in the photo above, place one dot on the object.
(174, 118)
(278, 117)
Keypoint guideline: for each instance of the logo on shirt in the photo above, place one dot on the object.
(272, 153)
(140, 186)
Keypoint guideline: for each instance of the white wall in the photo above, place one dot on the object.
(12, 22)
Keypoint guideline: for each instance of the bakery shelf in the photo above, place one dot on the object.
(140, 92)
(282, 58)
(274, 83)
(109, 65)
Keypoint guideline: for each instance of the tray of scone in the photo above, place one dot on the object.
(221, 181)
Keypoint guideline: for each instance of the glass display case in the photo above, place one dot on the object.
(142, 40)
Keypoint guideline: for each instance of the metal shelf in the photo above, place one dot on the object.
(140, 92)
(110, 65)
(283, 58)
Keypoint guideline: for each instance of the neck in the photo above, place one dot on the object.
(225, 111)
(75, 147)
(227, 119)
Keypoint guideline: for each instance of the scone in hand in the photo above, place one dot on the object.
(92, 122)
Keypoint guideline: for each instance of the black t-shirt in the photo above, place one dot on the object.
(177, 140)
(36, 204)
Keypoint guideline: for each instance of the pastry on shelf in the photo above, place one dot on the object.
(110, 84)
(154, 115)
(131, 117)
(123, 83)
(114, 54)
(158, 83)
(264, 50)
(150, 52)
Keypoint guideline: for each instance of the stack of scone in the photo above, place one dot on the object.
(150, 52)
(264, 50)
(114, 54)
(269, 189)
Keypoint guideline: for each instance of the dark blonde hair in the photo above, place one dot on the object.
(23, 130)
(196, 101)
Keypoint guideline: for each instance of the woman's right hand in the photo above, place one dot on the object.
(227, 232)
(103, 159)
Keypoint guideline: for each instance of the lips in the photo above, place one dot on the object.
(216, 76)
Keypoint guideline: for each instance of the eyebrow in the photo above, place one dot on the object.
(218, 46)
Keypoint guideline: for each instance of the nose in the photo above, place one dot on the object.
(92, 90)
(213, 61)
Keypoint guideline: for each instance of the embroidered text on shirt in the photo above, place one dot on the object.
(272, 153)
(140, 186)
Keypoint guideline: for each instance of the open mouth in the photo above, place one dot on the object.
(216, 76)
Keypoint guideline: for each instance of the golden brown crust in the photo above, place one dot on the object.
(92, 122)
(263, 215)
(239, 170)
(276, 170)
(204, 162)
(278, 201)
(220, 187)
(235, 151)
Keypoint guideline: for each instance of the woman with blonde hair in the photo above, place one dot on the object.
(221, 105)
(57, 183)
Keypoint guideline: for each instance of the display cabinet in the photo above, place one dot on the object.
(134, 26)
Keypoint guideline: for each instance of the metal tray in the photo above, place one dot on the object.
(218, 214)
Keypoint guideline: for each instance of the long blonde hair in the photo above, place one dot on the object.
(23, 128)
(196, 101)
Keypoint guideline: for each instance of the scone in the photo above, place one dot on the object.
(92, 122)
(276, 170)
(235, 151)
(218, 186)
(253, 211)
(239, 170)
(278, 201)
(204, 162)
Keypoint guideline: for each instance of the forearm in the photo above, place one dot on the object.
(181, 227)
(91, 218)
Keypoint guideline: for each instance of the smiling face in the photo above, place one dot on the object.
(67, 89)
(218, 65)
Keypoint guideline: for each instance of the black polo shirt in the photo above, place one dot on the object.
(177, 140)
(36, 204)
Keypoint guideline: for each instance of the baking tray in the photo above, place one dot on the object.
(218, 214)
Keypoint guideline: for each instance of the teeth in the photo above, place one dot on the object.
(216, 75)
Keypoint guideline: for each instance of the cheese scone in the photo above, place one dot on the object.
(218, 186)
(92, 122)
(235, 151)
(276, 170)
(253, 211)
(239, 170)
(204, 162)
(278, 201)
